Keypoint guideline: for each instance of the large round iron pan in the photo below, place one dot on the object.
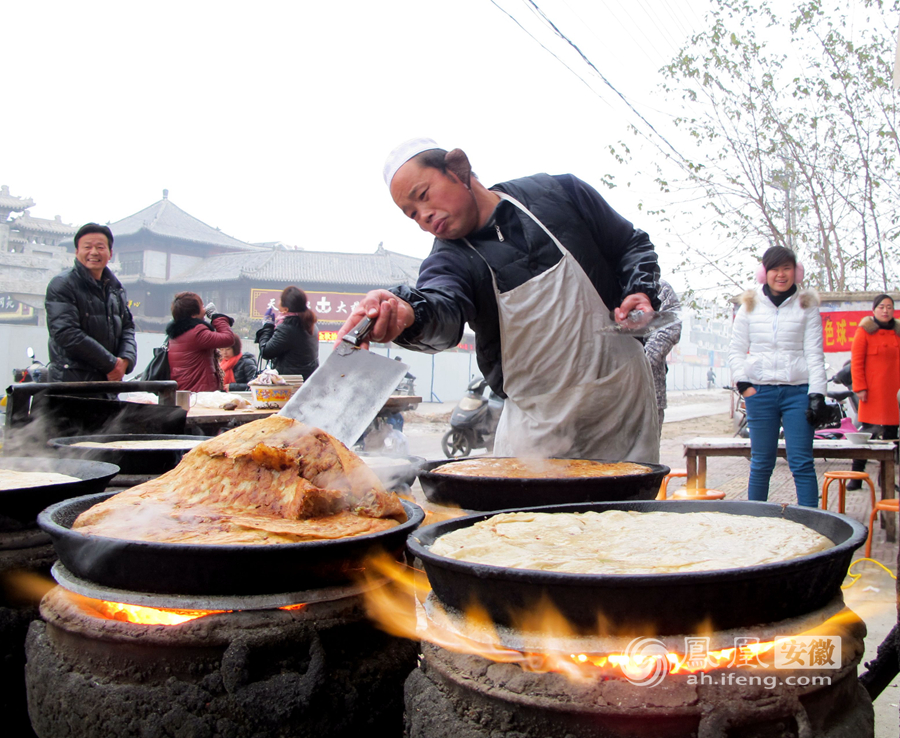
(662, 604)
(195, 569)
(146, 461)
(491, 493)
(23, 504)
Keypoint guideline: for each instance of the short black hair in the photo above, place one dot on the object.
(881, 298)
(778, 255)
(94, 228)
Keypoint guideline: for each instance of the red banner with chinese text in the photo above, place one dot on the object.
(839, 327)
(334, 307)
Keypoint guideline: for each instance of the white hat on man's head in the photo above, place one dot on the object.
(403, 153)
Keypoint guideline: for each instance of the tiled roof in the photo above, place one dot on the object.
(307, 267)
(11, 202)
(43, 225)
(164, 218)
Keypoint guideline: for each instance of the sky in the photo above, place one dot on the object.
(271, 121)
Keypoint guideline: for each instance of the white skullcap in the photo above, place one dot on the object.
(403, 153)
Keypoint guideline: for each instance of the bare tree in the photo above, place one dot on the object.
(796, 142)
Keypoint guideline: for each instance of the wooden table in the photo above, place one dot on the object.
(696, 451)
(216, 416)
(202, 416)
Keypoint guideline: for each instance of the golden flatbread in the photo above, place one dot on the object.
(510, 468)
(271, 481)
(629, 542)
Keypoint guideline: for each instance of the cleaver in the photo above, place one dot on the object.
(345, 394)
(639, 325)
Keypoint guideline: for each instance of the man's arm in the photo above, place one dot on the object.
(64, 326)
(629, 248)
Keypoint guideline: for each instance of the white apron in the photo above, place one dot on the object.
(572, 391)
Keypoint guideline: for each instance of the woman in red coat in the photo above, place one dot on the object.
(875, 363)
(193, 343)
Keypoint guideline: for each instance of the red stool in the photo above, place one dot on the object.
(889, 505)
(842, 477)
(664, 487)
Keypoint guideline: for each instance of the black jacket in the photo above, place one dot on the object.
(290, 347)
(244, 371)
(455, 288)
(90, 325)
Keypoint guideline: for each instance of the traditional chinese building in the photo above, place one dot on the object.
(30, 256)
(163, 250)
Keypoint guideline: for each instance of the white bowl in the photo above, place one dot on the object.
(858, 438)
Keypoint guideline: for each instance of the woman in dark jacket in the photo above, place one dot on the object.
(292, 345)
(193, 343)
(237, 368)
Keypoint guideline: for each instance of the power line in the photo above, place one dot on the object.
(606, 81)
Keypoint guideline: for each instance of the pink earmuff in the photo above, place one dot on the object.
(799, 271)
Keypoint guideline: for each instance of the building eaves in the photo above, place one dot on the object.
(165, 219)
(43, 225)
(306, 267)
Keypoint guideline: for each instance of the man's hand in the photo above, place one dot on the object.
(390, 315)
(118, 370)
(637, 301)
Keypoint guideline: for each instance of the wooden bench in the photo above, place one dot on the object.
(697, 450)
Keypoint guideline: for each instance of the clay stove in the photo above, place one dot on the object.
(589, 687)
(307, 663)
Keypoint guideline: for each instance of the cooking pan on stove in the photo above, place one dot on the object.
(493, 493)
(24, 503)
(177, 568)
(660, 604)
(143, 461)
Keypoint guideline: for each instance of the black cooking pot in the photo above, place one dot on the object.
(493, 493)
(660, 604)
(142, 461)
(24, 503)
(197, 569)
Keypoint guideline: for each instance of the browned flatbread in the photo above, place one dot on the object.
(271, 481)
(510, 468)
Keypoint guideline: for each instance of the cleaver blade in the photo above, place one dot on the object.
(343, 396)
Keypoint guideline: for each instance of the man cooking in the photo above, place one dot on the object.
(534, 266)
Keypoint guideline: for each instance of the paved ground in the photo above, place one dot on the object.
(706, 413)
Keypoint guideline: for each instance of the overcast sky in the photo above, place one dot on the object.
(271, 121)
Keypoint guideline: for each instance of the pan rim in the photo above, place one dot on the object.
(856, 538)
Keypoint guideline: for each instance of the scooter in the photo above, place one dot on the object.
(37, 372)
(474, 420)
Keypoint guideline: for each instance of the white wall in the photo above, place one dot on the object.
(155, 264)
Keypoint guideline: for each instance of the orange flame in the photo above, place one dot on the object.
(396, 609)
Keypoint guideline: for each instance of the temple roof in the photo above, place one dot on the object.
(27, 222)
(165, 218)
(13, 203)
(306, 267)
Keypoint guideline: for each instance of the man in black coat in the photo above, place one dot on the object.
(90, 325)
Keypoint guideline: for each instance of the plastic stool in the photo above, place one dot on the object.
(698, 494)
(842, 477)
(889, 505)
(664, 487)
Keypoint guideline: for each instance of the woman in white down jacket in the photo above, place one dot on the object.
(777, 363)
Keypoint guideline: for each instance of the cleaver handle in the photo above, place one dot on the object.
(359, 333)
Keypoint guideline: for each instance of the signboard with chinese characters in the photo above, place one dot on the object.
(334, 307)
(839, 327)
(14, 311)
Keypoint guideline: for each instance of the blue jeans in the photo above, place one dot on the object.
(772, 407)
